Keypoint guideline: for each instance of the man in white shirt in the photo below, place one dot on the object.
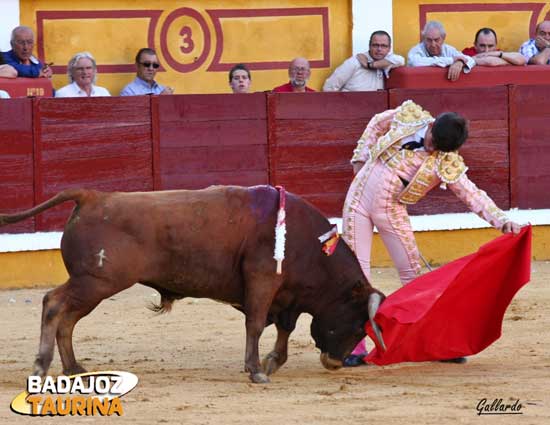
(366, 71)
(82, 73)
(433, 51)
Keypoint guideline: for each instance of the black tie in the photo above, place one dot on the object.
(413, 145)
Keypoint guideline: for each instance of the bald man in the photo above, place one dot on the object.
(298, 74)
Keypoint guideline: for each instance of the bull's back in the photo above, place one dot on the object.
(190, 242)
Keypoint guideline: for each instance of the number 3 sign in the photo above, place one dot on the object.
(189, 28)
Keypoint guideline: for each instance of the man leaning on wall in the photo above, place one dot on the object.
(432, 51)
(486, 53)
(21, 58)
(537, 50)
(366, 71)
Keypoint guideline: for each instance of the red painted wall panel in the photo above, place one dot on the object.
(311, 140)
(16, 161)
(98, 143)
(486, 150)
(212, 139)
(529, 118)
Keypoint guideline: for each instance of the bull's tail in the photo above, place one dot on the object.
(76, 195)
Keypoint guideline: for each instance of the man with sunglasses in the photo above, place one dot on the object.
(366, 71)
(147, 66)
(21, 58)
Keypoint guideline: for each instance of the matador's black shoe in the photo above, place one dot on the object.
(458, 360)
(354, 360)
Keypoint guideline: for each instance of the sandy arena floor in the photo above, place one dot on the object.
(190, 363)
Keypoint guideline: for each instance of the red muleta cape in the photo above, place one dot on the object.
(456, 310)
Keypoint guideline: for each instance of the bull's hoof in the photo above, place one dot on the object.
(259, 378)
(74, 370)
(270, 363)
(39, 370)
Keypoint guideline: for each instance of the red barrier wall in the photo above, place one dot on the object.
(27, 87)
(303, 142)
(16, 160)
(486, 150)
(432, 77)
(530, 146)
(99, 143)
(311, 140)
(211, 139)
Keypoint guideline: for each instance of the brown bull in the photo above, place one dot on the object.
(214, 243)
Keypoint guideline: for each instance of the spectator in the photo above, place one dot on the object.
(81, 71)
(147, 66)
(298, 73)
(6, 71)
(20, 56)
(240, 79)
(366, 71)
(486, 53)
(537, 50)
(433, 51)
(403, 154)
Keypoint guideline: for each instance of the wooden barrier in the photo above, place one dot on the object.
(303, 142)
(530, 146)
(16, 161)
(27, 87)
(100, 143)
(485, 152)
(311, 140)
(210, 139)
(433, 77)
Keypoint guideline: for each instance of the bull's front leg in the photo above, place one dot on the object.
(254, 329)
(285, 323)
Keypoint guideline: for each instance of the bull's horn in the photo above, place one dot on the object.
(374, 303)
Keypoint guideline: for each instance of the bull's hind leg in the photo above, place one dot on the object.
(285, 323)
(51, 315)
(62, 309)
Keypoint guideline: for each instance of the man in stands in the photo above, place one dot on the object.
(537, 50)
(240, 79)
(486, 53)
(366, 71)
(147, 65)
(21, 58)
(433, 51)
(298, 74)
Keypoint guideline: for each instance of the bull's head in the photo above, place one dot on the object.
(337, 331)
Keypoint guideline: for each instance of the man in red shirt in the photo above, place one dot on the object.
(485, 51)
(298, 74)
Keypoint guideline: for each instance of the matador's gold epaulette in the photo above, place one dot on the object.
(450, 166)
(409, 114)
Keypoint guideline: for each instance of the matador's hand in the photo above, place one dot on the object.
(510, 226)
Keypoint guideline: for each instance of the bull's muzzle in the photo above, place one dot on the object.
(330, 363)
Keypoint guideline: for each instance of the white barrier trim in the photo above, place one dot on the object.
(458, 221)
(420, 223)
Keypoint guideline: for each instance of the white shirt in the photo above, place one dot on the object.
(419, 56)
(73, 90)
(4, 94)
(416, 137)
(351, 76)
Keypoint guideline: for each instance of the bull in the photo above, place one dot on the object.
(214, 243)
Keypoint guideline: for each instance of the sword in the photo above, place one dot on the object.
(425, 262)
